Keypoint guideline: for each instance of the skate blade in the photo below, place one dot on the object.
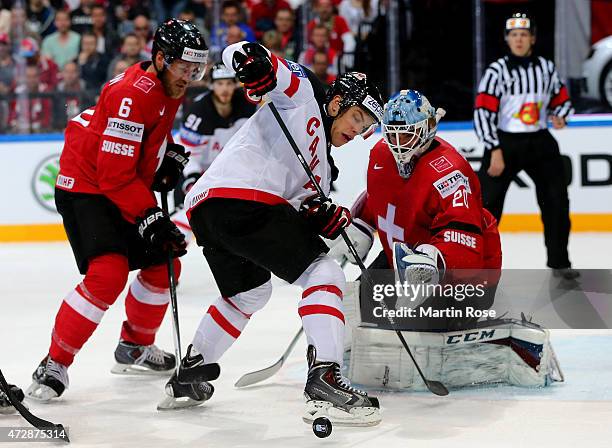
(356, 417)
(171, 403)
(134, 369)
(40, 392)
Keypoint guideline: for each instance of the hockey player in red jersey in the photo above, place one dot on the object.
(422, 192)
(256, 213)
(115, 156)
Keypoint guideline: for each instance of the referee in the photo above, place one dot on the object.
(516, 95)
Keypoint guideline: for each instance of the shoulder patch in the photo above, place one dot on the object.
(145, 84)
(450, 183)
(441, 164)
(296, 69)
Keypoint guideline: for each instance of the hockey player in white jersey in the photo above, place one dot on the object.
(210, 121)
(255, 212)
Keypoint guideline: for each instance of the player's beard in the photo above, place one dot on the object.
(174, 88)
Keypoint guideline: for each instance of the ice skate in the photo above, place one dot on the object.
(329, 394)
(134, 359)
(6, 407)
(191, 386)
(50, 380)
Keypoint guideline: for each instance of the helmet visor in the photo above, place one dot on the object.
(190, 71)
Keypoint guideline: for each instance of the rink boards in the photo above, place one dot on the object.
(31, 163)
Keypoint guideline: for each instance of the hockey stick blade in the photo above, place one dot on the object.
(260, 375)
(38, 423)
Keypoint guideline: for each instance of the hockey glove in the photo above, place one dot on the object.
(325, 217)
(362, 237)
(188, 182)
(160, 233)
(424, 264)
(173, 163)
(254, 69)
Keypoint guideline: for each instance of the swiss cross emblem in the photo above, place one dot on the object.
(388, 226)
(145, 84)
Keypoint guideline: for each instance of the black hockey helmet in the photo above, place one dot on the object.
(179, 39)
(520, 21)
(357, 90)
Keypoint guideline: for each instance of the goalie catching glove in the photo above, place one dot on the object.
(424, 264)
(174, 162)
(253, 67)
(362, 237)
(325, 217)
(160, 233)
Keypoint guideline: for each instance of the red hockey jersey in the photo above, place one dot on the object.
(439, 204)
(115, 148)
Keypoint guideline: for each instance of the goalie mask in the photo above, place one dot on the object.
(409, 126)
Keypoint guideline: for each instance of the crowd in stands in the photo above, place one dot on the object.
(56, 54)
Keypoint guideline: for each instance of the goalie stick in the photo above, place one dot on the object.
(435, 387)
(37, 422)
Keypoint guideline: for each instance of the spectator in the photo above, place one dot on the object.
(233, 36)
(120, 66)
(319, 42)
(107, 39)
(130, 53)
(40, 17)
(263, 14)
(48, 69)
(93, 65)
(142, 30)
(285, 25)
(272, 40)
(357, 11)
(19, 28)
(81, 17)
(230, 15)
(33, 113)
(63, 45)
(340, 36)
(74, 99)
(7, 65)
(320, 67)
(165, 9)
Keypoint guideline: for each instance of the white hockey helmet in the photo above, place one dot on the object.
(409, 126)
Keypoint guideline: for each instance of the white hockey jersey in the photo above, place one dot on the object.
(258, 163)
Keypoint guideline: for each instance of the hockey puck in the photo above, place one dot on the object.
(322, 427)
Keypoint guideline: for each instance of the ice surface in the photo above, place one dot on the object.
(102, 409)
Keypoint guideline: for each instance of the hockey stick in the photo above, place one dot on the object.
(435, 387)
(260, 375)
(173, 302)
(38, 423)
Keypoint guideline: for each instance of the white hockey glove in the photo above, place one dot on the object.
(424, 264)
(362, 237)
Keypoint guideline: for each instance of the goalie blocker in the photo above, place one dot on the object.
(510, 351)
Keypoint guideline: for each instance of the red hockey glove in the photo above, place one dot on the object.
(325, 217)
(255, 69)
(168, 174)
(160, 233)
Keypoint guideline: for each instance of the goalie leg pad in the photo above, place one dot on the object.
(512, 352)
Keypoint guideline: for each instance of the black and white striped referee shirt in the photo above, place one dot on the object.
(517, 95)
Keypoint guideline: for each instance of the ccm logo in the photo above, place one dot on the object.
(123, 149)
(451, 236)
(470, 337)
